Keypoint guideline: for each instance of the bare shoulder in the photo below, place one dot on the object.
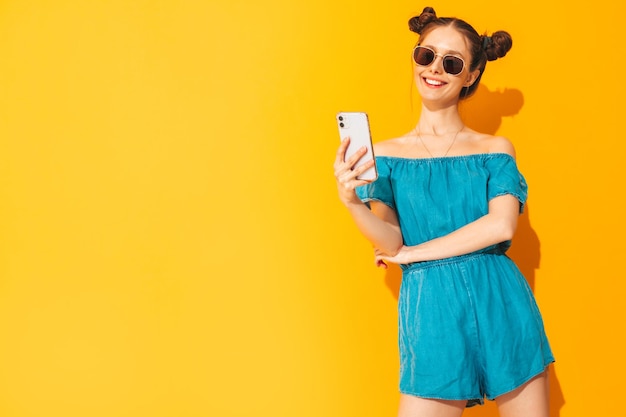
(494, 144)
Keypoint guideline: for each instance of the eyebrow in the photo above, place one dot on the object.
(449, 51)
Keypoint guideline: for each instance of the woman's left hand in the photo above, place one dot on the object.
(402, 257)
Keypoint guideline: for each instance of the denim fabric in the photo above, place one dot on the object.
(469, 326)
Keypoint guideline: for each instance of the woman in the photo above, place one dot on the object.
(444, 207)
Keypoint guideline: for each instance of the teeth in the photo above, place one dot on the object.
(432, 82)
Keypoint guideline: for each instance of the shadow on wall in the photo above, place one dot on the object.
(483, 112)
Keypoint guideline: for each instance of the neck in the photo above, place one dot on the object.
(440, 121)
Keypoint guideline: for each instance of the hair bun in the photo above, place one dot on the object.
(497, 45)
(417, 23)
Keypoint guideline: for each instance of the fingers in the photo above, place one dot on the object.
(381, 264)
(357, 170)
(347, 171)
(356, 157)
(378, 259)
(348, 179)
(341, 151)
(341, 154)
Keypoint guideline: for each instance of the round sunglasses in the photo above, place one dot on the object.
(424, 56)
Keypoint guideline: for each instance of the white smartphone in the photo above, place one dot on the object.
(356, 126)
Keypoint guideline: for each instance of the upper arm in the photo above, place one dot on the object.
(505, 209)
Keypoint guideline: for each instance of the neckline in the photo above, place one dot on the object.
(452, 157)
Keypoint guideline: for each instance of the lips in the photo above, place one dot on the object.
(433, 83)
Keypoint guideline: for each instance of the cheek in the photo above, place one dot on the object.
(417, 76)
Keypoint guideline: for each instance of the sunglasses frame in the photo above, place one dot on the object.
(435, 55)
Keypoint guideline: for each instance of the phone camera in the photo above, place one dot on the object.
(340, 118)
(341, 124)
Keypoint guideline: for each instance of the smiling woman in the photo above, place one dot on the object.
(171, 242)
(469, 326)
(482, 48)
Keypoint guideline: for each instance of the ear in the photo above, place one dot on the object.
(472, 76)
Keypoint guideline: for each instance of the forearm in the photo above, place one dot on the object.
(382, 233)
(380, 224)
(497, 226)
(484, 232)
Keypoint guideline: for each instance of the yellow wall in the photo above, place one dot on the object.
(170, 239)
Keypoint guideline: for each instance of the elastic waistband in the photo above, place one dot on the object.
(454, 259)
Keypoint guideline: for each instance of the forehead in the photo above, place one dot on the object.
(446, 38)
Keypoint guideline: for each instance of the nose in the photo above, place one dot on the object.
(437, 65)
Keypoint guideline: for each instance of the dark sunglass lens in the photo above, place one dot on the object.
(453, 65)
(423, 56)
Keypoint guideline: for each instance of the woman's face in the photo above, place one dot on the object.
(435, 85)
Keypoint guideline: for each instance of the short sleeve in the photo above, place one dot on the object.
(379, 190)
(505, 178)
